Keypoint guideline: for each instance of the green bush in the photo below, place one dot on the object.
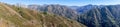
(44, 12)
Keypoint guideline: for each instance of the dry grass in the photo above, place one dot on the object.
(22, 17)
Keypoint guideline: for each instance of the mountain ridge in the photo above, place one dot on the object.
(92, 15)
(12, 16)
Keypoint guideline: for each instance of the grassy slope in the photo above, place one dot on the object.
(11, 16)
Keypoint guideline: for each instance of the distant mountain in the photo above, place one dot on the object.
(74, 7)
(101, 16)
(12, 16)
(56, 9)
(85, 8)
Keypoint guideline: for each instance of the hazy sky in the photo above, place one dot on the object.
(64, 2)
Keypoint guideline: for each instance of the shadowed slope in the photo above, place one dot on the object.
(101, 17)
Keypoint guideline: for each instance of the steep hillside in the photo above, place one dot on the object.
(11, 16)
(101, 16)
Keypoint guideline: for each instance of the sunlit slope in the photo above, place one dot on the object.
(11, 16)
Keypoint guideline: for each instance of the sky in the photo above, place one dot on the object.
(64, 2)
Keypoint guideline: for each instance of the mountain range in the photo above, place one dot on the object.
(55, 9)
(89, 15)
(56, 15)
(13, 16)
